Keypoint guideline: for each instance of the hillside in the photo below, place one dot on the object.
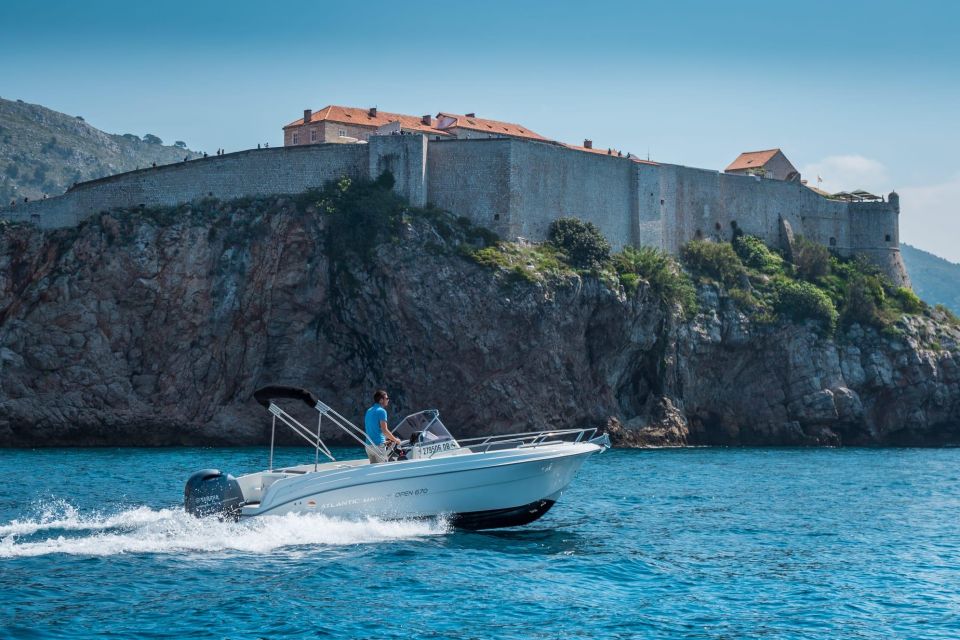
(43, 152)
(937, 281)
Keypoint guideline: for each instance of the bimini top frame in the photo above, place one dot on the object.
(266, 395)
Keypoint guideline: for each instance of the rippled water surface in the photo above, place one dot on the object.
(704, 543)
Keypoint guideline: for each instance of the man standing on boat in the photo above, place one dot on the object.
(375, 425)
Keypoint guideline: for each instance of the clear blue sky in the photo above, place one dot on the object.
(865, 94)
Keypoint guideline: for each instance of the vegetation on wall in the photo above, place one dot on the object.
(578, 249)
(815, 285)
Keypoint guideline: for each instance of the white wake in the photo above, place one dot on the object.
(63, 529)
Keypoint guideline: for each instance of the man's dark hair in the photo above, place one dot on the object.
(379, 395)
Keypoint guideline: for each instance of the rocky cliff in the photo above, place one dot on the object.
(155, 327)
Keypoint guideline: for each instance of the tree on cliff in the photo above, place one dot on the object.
(152, 139)
(580, 241)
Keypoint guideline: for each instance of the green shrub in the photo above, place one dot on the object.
(664, 274)
(582, 242)
(811, 259)
(802, 300)
(744, 300)
(522, 262)
(630, 281)
(717, 260)
(861, 302)
(754, 253)
(909, 301)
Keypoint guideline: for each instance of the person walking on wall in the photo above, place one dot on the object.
(375, 426)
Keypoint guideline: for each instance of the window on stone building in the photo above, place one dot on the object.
(313, 135)
(296, 138)
(888, 237)
(342, 133)
(833, 242)
(496, 216)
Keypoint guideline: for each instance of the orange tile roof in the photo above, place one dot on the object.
(490, 126)
(610, 152)
(362, 117)
(752, 159)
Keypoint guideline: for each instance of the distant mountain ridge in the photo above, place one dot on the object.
(935, 280)
(43, 152)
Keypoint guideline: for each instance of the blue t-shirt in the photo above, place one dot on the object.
(371, 424)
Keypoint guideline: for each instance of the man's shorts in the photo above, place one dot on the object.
(376, 453)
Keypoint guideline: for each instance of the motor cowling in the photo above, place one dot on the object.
(212, 492)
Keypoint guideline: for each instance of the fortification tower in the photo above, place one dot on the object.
(875, 234)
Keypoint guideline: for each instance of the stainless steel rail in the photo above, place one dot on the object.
(527, 439)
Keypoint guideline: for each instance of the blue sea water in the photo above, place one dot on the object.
(698, 543)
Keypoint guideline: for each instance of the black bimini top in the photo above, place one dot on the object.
(264, 395)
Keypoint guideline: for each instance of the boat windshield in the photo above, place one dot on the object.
(427, 423)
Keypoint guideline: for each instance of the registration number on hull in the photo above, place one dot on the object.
(430, 449)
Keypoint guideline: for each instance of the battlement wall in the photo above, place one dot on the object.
(471, 178)
(246, 173)
(700, 204)
(707, 204)
(405, 157)
(549, 181)
(516, 188)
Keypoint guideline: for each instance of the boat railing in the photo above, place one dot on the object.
(527, 439)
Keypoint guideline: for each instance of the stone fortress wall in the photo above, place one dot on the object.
(516, 188)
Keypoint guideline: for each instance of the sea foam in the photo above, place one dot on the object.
(62, 529)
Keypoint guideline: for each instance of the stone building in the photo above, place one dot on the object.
(351, 124)
(767, 164)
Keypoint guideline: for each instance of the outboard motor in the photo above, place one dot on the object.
(212, 492)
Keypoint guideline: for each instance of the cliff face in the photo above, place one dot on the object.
(148, 329)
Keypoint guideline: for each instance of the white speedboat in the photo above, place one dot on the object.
(481, 483)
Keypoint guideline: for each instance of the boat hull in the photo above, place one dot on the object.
(499, 518)
(475, 491)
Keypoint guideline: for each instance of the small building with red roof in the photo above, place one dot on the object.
(770, 163)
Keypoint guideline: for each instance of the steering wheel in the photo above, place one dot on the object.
(396, 452)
